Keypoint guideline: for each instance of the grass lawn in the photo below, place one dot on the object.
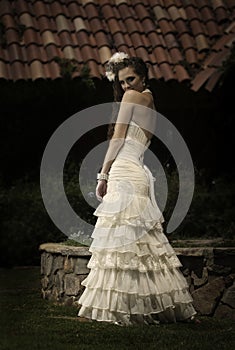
(28, 322)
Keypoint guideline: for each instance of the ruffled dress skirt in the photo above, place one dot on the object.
(134, 272)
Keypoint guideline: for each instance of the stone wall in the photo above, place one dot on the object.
(210, 273)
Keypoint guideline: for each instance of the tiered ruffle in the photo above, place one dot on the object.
(140, 279)
(134, 270)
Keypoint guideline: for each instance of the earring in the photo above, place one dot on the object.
(144, 83)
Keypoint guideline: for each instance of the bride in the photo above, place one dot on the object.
(134, 272)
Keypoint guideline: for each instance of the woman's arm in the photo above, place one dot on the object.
(120, 129)
(118, 138)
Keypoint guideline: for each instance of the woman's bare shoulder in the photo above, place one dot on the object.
(134, 96)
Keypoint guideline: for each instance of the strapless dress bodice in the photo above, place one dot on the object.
(135, 144)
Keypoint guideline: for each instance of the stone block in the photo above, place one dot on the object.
(80, 267)
(68, 264)
(58, 263)
(206, 298)
(46, 263)
(200, 281)
(59, 281)
(219, 270)
(229, 297)
(72, 284)
(185, 271)
(225, 312)
(45, 282)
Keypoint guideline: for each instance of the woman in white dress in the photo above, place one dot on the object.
(134, 272)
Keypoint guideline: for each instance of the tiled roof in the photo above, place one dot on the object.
(183, 40)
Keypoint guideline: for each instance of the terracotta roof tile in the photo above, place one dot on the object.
(212, 29)
(131, 25)
(37, 70)
(155, 39)
(79, 24)
(181, 26)
(191, 56)
(197, 27)
(166, 27)
(192, 13)
(5, 7)
(12, 35)
(18, 71)
(96, 25)
(51, 70)
(181, 73)
(105, 54)
(101, 39)
(212, 81)
(56, 8)
(45, 23)
(141, 11)
(107, 11)
(230, 3)
(62, 23)
(82, 38)
(48, 38)
(52, 51)
(161, 55)
(94, 69)
(14, 51)
(167, 72)
(207, 14)
(187, 41)
(125, 11)
(202, 77)
(176, 55)
(201, 3)
(230, 28)
(8, 21)
(222, 15)
(4, 70)
(160, 13)
(27, 20)
(184, 40)
(68, 53)
(217, 3)
(156, 72)
(91, 11)
(174, 13)
(137, 40)
(148, 25)
(65, 39)
(142, 52)
(201, 42)
(30, 36)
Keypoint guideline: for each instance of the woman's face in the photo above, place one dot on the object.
(129, 80)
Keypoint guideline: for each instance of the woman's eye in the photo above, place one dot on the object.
(130, 79)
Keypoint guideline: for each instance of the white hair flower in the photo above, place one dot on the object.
(116, 58)
(110, 75)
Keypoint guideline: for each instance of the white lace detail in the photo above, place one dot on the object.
(135, 274)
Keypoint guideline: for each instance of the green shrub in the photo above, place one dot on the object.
(26, 224)
(212, 210)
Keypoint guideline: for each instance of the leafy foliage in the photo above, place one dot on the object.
(26, 224)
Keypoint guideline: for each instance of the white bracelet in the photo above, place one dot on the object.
(102, 176)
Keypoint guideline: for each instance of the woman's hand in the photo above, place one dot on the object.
(101, 189)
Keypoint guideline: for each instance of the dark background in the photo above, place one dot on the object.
(31, 112)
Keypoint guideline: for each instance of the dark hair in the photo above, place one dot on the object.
(140, 68)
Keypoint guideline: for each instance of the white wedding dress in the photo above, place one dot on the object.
(134, 272)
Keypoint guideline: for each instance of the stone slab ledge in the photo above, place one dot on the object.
(68, 250)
